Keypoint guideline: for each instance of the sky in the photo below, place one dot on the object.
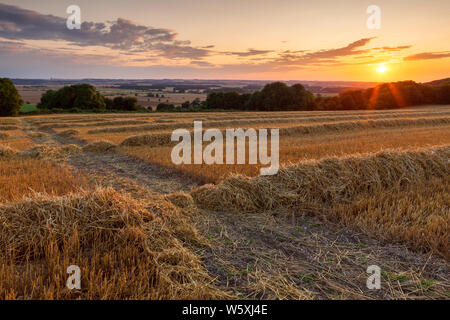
(226, 39)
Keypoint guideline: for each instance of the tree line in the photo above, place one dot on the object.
(275, 96)
(84, 97)
(387, 96)
(278, 96)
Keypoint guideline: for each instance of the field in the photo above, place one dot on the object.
(32, 95)
(28, 108)
(354, 189)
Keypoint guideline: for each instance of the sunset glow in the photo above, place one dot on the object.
(382, 69)
(213, 39)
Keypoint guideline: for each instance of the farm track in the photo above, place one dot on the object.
(262, 256)
(46, 139)
(125, 173)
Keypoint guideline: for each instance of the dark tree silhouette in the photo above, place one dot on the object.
(10, 101)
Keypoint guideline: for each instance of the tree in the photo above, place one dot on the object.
(87, 97)
(63, 98)
(46, 99)
(80, 96)
(352, 99)
(196, 102)
(214, 100)
(276, 96)
(443, 93)
(231, 100)
(10, 101)
(387, 96)
(302, 99)
(109, 103)
(255, 102)
(185, 105)
(130, 104)
(165, 107)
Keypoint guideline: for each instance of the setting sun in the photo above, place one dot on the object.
(382, 69)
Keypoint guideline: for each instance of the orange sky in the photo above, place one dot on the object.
(277, 40)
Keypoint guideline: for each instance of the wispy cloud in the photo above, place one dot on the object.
(202, 63)
(324, 56)
(348, 50)
(389, 49)
(250, 52)
(428, 56)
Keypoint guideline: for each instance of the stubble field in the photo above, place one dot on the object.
(355, 188)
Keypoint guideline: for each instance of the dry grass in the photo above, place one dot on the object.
(86, 125)
(116, 123)
(319, 187)
(24, 177)
(126, 249)
(47, 152)
(355, 121)
(6, 152)
(68, 133)
(337, 172)
(328, 181)
(37, 134)
(363, 125)
(116, 138)
(151, 140)
(418, 215)
(163, 138)
(18, 142)
(263, 256)
(9, 121)
(99, 146)
(6, 127)
(292, 149)
(54, 126)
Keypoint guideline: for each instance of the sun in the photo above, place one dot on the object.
(382, 69)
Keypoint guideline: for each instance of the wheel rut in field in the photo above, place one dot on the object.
(126, 173)
(265, 256)
(39, 136)
(120, 171)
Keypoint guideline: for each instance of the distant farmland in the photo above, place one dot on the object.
(32, 95)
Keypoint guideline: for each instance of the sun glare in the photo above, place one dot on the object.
(382, 69)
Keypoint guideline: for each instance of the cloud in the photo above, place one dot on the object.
(27, 60)
(428, 56)
(22, 24)
(176, 51)
(201, 63)
(341, 52)
(325, 56)
(387, 48)
(248, 53)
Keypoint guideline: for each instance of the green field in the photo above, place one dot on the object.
(28, 108)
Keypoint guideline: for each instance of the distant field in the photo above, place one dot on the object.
(28, 108)
(355, 188)
(32, 95)
(163, 96)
